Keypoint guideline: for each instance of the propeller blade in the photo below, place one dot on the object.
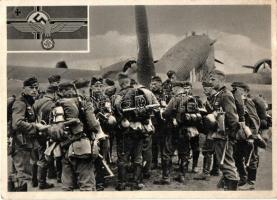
(248, 66)
(128, 65)
(216, 60)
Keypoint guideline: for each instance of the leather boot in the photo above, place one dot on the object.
(221, 184)
(42, 173)
(231, 184)
(195, 157)
(51, 170)
(34, 175)
(22, 188)
(183, 171)
(206, 169)
(215, 168)
(252, 173)
(121, 185)
(58, 162)
(165, 180)
(11, 186)
(137, 185)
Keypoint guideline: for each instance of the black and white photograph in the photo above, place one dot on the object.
(166, 98)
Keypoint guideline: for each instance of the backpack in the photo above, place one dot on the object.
(188, 111)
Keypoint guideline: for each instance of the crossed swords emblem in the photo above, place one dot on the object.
(39, 22)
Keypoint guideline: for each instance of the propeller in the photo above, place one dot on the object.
(128, 65)
(218, 61)
(248, 66)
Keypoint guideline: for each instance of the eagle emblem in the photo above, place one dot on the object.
(39, 22)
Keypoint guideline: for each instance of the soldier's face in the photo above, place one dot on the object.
(216, 82)
(187, 90)
(124, 83)
(97, 88)
(173, 77)
(31, 90)
(155, 86)
(241, 92)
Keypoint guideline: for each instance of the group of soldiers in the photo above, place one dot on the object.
(73, 126)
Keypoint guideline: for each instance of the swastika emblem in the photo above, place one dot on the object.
(38, 16)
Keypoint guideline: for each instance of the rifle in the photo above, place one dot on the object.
(106, 166)
(66, 123)
(151, 106)
(79, 98)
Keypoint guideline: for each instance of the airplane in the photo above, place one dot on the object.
(192, 58)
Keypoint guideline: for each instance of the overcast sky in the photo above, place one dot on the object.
(242, 33)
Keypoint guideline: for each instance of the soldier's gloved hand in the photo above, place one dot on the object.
(56, 131)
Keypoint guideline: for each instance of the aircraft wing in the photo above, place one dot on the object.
(42, 73)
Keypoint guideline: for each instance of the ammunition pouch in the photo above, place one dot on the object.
(190, 119)
(80, 148)
(54, 150)
(146, 127)
(243, 133)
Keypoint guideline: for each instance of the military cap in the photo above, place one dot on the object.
(65, 85)
(54, 78)
(96, 80)
(170, 73)
(217, 72)
(122, 75)
(240, 85)
(109, 82)
(31, 82)
(206, 84)
(156, 78)
(81, 83)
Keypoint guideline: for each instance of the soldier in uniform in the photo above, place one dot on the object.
(246, 149)
(110, 90)
(54, 80)
(54, 165)
(103, 112)
(167, 84)
(224, 109)
(194, 141)
(147, 155)
(76, 142)
(25, 131)
(182, 107)
(208, 149)
(158, 122)
(134, 123)
(43, 108)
